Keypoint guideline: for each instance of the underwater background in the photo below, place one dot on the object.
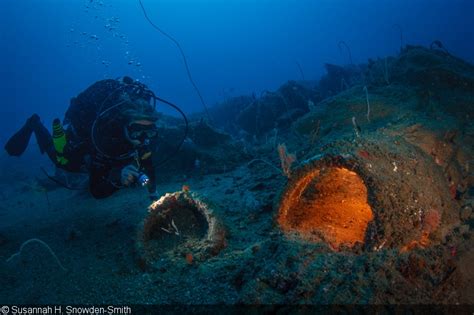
(413, 152)
(52, 49)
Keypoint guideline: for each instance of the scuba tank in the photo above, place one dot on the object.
(59, 141)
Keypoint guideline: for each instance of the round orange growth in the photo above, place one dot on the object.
(329, 204)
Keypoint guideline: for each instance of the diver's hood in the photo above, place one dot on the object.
(137, 109)
(137, 115)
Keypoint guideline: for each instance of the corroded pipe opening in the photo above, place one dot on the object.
(328, 204)
(180, 220)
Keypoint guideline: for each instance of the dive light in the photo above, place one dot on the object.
(143, 179)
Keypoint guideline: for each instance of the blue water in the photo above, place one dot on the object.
(233, 47)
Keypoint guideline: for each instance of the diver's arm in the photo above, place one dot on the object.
(149, 169)
(103, 181)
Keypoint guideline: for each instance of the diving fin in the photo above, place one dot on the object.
(17, 144)
(44, 139)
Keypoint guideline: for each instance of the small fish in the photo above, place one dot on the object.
(364, 154)
(189, 258)
(167, 231)
(453, 191)
(175, 227)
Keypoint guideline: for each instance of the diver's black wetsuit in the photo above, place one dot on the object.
(104, 172)
(82, 155)
(104, 175)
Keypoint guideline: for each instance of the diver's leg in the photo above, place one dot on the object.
(17, 144)
(44, 139)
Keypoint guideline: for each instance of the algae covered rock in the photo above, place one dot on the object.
(206, 150)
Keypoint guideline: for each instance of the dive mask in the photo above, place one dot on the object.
(141, 132)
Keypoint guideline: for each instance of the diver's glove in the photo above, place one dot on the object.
(153, 196)
(129, 175)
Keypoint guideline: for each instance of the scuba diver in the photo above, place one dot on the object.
(109, 132)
